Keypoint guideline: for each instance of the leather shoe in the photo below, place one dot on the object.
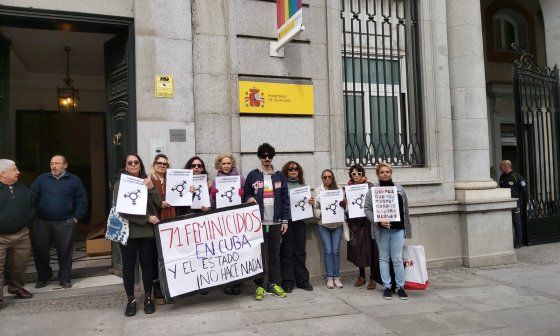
(306, 286)
(21, 293)
(41, 284)
(67, 285)
(360, 282)
(371, 284)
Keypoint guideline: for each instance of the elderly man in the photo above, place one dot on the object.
(61, 201)
(16, 213)
(515, 182)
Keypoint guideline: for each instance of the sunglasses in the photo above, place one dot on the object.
(356, 173)
(133, 163)
(196, 165)
(266, 156)
(162, 164)
(293, 169)
(328, 177)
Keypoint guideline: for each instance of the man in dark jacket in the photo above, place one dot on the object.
(515, 182)
(61, 201)
(16, 213)
(269, 189)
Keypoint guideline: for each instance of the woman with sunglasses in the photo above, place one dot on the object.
(390, 236)
(141, 242)
(226, 165)
(292, 248)
(361, 248)
(331, 233)
(197, 165)
(158, 177)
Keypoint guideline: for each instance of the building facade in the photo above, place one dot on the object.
(410, 82)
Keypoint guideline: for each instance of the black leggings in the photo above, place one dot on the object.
(144, 249)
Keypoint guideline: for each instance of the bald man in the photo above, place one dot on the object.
(515, 182)
(61, 202)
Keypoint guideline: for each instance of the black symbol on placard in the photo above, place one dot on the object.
(198, 192)
(359, 201)
(301, 203)
(228, 194)
(332, 207)
(179, 188)
(133, 195)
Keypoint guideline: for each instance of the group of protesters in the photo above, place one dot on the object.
(60, 201)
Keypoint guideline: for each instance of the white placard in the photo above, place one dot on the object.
(133, 196)
(201, 197)
(385, 204)
(211, 249)
(356, 199)
(228, 191)
(331, 211)
(177, 187)
(299, 203)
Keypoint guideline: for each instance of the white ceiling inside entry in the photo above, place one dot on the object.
(42, 51)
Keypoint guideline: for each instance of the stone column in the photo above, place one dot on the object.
(485, 216)
(551, 15)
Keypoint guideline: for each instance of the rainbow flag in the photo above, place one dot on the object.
(285, 9)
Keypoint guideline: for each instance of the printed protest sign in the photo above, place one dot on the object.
(385, 204)
(331, 211)
(210, 249)
(201, 197)
(228, 191)
(356, 199)
(177, 187)
(299, 203)
(133, 196)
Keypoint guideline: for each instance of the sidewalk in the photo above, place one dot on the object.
(521, 299)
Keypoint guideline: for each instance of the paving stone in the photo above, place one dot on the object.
(509, 331)
(534, 318)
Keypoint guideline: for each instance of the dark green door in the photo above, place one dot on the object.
(5, 124)
(121, 123)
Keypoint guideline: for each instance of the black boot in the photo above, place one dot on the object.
(130, 306)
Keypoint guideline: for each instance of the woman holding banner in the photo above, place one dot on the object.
(292, 249)
(158, 177)
(141, 242)
(390, 235)
(362, 248)
(226, 165)
(331, 233)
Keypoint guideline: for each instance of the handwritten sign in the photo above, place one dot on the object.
(331, 211)
(177, 188)
(228, 191)
(299, 203)
(356, 199)
(201, 197)
(210, 249)
(385, 204)
(133, 196)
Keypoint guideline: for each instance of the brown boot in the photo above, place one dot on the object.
(371, 284)
(360, 282)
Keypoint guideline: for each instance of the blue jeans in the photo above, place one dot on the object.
(391, 243)
(331, 246)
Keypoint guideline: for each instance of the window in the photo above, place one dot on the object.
(381, 82)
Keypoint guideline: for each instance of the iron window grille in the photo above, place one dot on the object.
(381, 82)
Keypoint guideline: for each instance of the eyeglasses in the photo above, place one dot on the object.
(56, 163)
(162, 164)
(133, 163)
(266, 156)
(356, 173)
(196, 165)
(328, 177)
(293, 169)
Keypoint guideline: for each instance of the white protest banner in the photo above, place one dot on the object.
(228, 191)
(299, 203)
(201, 197)
(356, 198)
(385, 204)
(177, 187)
(331, 211)
(210, 249)
(133, 196)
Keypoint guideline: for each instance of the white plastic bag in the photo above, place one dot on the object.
(415, 271)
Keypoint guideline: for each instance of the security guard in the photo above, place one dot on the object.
(518, 186)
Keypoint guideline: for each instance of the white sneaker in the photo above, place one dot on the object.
(338, 282)
(330, 283)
